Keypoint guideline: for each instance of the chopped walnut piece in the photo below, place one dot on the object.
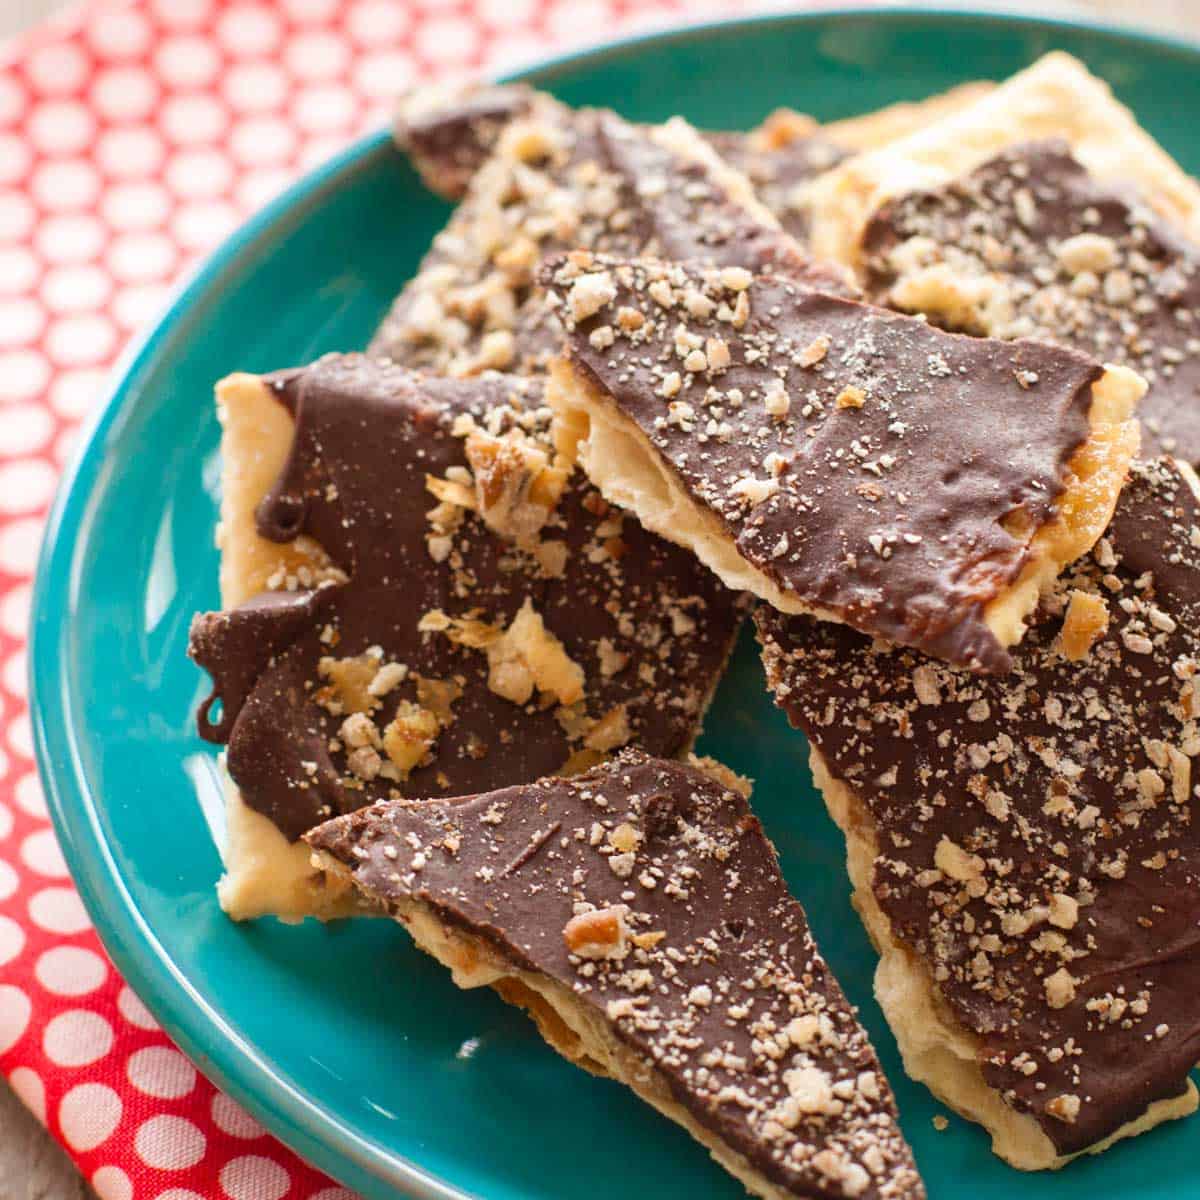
(590, 293)
(410, 735)
(1087, 252)
(450, 491)
(1064, 911)
(348, 683)
(438, 696)
(1065, 1108)
(610, 731)
(516, 485)
(464, 631)
(601, 933)
(953, 861)
(1085, 623)
(815, 351)
(528, 656)
(1060, 988)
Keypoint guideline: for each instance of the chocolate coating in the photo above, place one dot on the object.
(779, 169)
(648, 627)
(728, 998)
(1063, 257)
(575, 178)
(449, 137)
(860, 459)
(1038, 848)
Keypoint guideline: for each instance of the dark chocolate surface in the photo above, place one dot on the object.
(862, 460)
(572, 178)
(714, 977)
(647, 627)
(1038, 848)
(778, 169)
(1063, 257)
(449, 137)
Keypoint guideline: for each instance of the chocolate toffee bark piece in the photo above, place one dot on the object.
(639, 914)
(421, 598)
(1055, 98)
(1030, 244)
(789, 150)
(1024, 849)
(838, 459)
(588, 179)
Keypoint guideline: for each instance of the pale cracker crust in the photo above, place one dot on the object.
(265, 874)
(1056, 97)
(621, 461)
(874, 129)
(937, 1050)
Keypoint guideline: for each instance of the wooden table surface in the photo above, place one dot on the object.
(32, 1166)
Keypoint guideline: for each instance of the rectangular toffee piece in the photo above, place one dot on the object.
(638, 913)
(838, 459)
(1024, 850)
(421, 597)
(1042, 210)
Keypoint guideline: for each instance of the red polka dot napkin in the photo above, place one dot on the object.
(133, 137)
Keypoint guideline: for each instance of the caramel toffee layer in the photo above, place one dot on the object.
(450, 136)
(499, 618)
(588, 179)
(860, 459)
(648, 890)
(1029, 244)
(1038, 851)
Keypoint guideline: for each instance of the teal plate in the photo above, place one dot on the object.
(345, 1041)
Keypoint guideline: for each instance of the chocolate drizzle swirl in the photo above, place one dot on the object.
(709, 972)
(1038, 849)
(648, 627)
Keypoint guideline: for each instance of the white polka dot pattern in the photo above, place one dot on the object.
(134, 135)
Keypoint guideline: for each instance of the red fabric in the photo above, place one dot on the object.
(133, 137)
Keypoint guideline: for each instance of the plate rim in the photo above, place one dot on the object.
(319, 1135)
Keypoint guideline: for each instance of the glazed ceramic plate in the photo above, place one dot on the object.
(345, 1041)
